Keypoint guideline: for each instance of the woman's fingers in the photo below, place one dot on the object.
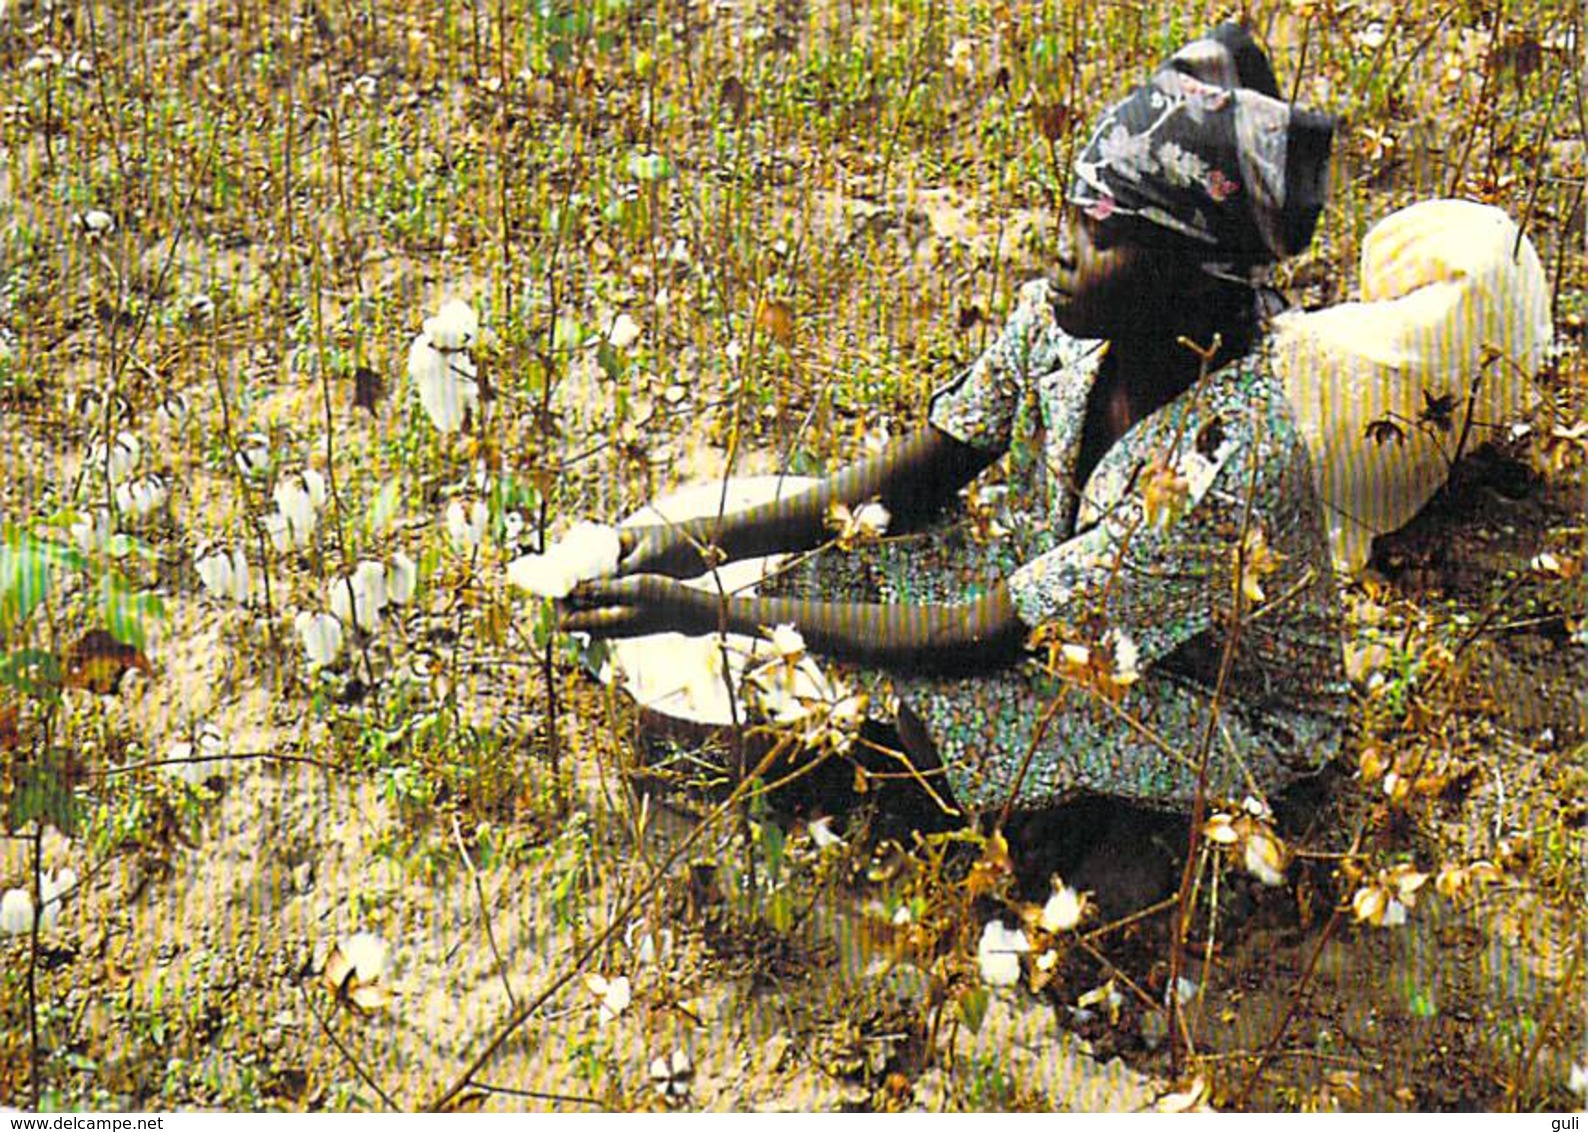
(602, 591)
(607, 621)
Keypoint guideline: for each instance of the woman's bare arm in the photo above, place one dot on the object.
(973, 636)
(913, 477)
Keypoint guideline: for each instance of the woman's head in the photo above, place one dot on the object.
(1200, 174)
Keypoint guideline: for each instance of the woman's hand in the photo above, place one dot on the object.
(635, 607)
(658, 549)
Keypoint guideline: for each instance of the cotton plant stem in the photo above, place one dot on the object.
(584, 954)
(485, 912)
(35, 1054)
(1182, 923)
(353, 1062)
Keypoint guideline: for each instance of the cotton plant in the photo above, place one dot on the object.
(356, 600)
(442, 371)
(359, 598)
(1384, 902)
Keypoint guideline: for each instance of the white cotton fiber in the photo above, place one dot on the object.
(589, 550)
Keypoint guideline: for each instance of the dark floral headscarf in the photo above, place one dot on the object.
(1207, 152)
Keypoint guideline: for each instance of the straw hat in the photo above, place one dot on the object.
(1454, 308)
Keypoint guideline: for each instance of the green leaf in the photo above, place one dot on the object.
(43, 793)
(24, 579)
(126, 613)
(33, 672)
(780, 911)
(973, 1008)
(610, 359)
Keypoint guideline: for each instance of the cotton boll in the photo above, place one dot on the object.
(54, 886)
(120, 460)
(294, 496)
(589, 550)
(253, 454)
(353, 601)
(95, 222)
(314, 483)
(1265, 859)
(998, 954)
(541, 575)
(787, 642)
(454, 327)
(624, 333)
(142, 497)
(466, 525)
(16, 912)
(321, 634)
(821, 831)
(1063, 910)
(402, 578)
(172, 410)
(224, 573)
(872, 519)
(612, 995)
(512, 528)
(279, 530)
(369, 582)
(446, 383)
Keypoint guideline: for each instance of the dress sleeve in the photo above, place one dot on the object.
(978, 408)
(1162, 560)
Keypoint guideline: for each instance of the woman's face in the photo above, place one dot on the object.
(1101, 290)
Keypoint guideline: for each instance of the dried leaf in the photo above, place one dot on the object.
(368, 390)
(1165, 494)
(97, 662)
(10, 734)
(733, 97)
(1255, 561)
(776, 317)
(1382, 431)
(1210, 438)
(1438, 411)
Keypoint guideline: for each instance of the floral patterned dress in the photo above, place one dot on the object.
(1203, 516)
